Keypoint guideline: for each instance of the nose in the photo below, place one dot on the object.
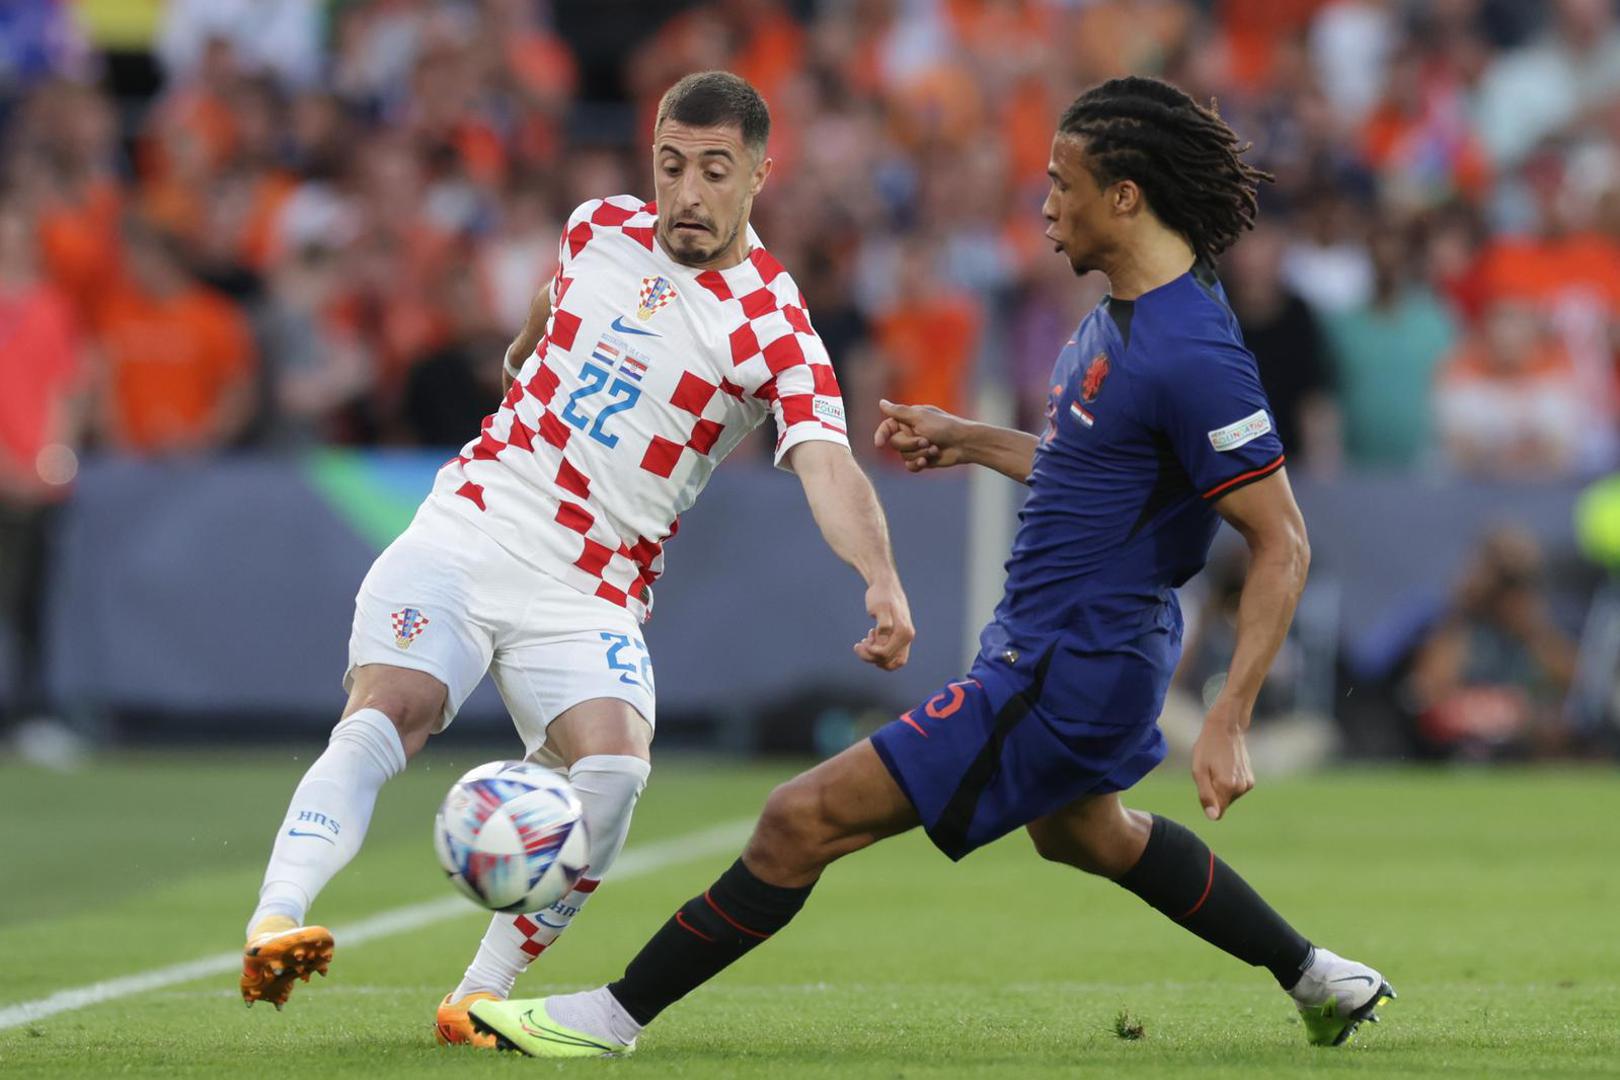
(1049, 208)
(689, 193)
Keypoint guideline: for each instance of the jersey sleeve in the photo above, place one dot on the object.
(1215, 414)
(776, 355)
(803, 394)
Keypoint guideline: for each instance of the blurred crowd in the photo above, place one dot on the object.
(284, 222)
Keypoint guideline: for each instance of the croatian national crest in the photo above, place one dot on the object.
(1091, 384)
(656, 293)
(408, 626)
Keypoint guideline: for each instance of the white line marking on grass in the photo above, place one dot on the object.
(637, 862)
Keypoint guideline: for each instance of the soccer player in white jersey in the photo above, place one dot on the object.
(667, 334)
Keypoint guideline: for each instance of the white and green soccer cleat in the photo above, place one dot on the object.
(527, 1026)
(1334, 996)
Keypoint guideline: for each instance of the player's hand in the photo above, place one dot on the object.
(888, 644)
(925, 437)
(1220, 764)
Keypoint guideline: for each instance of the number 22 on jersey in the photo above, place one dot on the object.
(594, 380)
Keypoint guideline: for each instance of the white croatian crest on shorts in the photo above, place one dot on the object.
(1243, 432)
(408, 626)
(656, 293)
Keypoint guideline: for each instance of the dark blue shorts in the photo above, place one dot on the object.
(1011, 743)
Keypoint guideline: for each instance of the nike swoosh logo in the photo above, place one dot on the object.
(1352, 978)
(618, 324)
(316, 835)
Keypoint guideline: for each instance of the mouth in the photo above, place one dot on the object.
(1057, 245)
(690, 228)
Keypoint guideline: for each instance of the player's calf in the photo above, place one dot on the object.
(1171, 869)
(840, 806)
(330, 810)
(326, 823)
(608, 786)
(1178, 875)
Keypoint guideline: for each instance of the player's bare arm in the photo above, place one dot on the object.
(528, 339)
(1268, 519)
(850, 517)
(927, 437)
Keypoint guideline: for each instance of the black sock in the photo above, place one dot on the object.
(709, 933)
(1183, 879)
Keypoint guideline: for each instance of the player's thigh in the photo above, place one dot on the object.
(578, 692)
(606, 725)
(846, 803)
(418, 646)
(1095, 833)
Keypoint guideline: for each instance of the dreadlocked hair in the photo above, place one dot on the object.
(1185, 158)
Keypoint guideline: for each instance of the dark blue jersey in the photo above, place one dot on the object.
(1155, 412)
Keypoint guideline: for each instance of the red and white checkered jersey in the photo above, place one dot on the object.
(650, 372)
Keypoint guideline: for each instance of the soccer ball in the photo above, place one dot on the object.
(510, 836)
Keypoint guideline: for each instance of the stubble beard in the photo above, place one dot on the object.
(696, 257)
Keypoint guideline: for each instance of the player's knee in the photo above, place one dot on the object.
(1106, 841)
(413, 716)
(795, 828)
(1051, 843)
(1061, 842)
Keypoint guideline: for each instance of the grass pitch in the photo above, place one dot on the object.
(1491, 900)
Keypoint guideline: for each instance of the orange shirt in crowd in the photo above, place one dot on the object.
(1470, 364)
(1255, 28)
(766, 48)
(79, 244)
(1544, 271)
(38, 369)
(171, 362)
(931, 345)
(1026, 127)
(771, 54)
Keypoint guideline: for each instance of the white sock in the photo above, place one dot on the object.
(595, 1012)
(608, 787)
(327, 818)
(1310, 976)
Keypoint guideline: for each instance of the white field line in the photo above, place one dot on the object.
(636, 862)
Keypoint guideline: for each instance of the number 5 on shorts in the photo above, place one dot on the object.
(631, 672)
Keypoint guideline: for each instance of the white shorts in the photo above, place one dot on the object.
(446, 599)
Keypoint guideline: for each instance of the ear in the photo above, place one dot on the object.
(1126, 198)
(756, 183)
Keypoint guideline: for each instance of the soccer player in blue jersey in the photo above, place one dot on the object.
(1157, 430)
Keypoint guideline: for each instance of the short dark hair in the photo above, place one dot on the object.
(716, 99)
(1186, 159)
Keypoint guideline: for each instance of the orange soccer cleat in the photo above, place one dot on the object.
(453, 1027)
(277, 952)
